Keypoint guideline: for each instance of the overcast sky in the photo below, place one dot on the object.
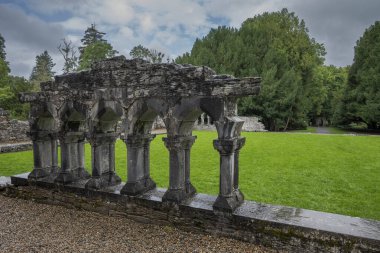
(171, 26)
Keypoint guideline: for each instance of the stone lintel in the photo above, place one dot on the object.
(283, 228)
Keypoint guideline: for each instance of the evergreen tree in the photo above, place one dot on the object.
(275, 46)
(94, 48)
(91, 35)
(4, 71)
(326, 93)
(2, 48)
(361, 102)
(4, 68)
(43, 70)
(10, 86)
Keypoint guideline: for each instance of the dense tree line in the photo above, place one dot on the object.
(275, 46)
(297, 89)
(361, 100)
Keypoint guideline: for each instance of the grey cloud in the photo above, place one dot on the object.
(28, 35)
(338, 24)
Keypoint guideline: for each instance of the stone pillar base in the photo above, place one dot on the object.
(105, 180)
(229, 203)
(66, 177)
(139, 187)
(38, 173)
(178, 195)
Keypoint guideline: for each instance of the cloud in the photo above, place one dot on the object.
(25, 37)
(32, 26)
(338, 24)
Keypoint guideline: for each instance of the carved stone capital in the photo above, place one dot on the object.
(229, 146)
(42, 135)
(179, 142)
(71, 137)
(136, 141)
(97, 139)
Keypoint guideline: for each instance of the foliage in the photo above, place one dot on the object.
(335, 173)
(4, 68)
(326, 93)
(9, 97)
(94, 48)
(91, 35)
(275, 46)
(95, 52)
(151, 55)
(68, 52)
(10, 86)
(362, 95)
(2, 48)
(43, 70)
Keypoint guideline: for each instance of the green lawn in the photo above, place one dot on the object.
(331, 173)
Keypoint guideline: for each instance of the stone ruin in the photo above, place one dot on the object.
(12, 131)
(87, 106)
(251, 124)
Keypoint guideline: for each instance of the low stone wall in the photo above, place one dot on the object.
(15, 147)
(12, 131)
(279, 227)
(251, 124)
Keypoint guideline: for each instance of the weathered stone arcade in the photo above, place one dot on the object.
(87, 106)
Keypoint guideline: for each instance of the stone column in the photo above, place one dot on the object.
(180, 187)
(139, 180)
(45, 155)
(208, 120)
(230, 196)
(103, 161)
(72, 158)
(54, 153)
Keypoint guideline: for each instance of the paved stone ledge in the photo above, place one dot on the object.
(279, 227)
(15, 147)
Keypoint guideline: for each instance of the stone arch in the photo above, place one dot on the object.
(73, 117)
(43, 132)
(43, 117)
(102, 136)
(141, 115)
(72, 140)
(137, 126)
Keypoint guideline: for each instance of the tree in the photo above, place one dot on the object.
(68, 52)
(326, 93)
(43, 70)
(91, 35)
(9, 97)
(94, 48)
(361, 101)
(10, 86)
(151, 55)
(4, 75)
(4, 68)
(2, 48)
(275, 46)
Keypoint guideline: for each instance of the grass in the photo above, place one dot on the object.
(307, 130)
(331, 173)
